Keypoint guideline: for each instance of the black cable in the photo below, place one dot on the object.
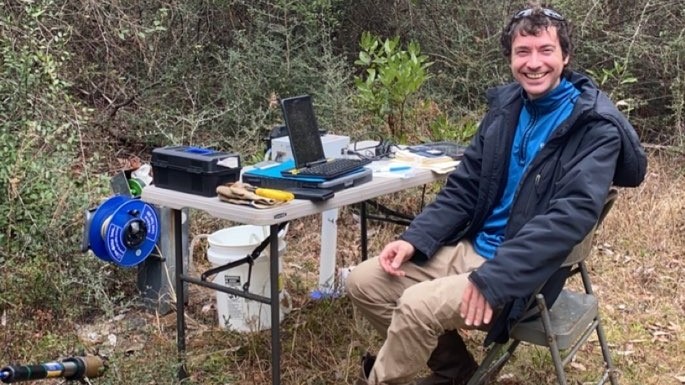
(381, 150)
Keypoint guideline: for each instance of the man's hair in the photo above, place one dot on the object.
(531, 21)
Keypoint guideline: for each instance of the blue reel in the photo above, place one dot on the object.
(123, 231)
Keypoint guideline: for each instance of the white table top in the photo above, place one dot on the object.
(379, 185)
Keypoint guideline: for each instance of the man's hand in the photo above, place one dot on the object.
(394, 254)
(475, 310)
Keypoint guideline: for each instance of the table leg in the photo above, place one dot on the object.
(364, 240)
(329, 241)
(180, 297)
(275, 306)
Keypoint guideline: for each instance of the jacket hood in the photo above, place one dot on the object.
(594, 107)
(631, 166)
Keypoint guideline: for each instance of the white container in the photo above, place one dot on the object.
(234, 243)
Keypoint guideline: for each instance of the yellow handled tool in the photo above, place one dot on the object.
(280, 195)
(239, 190)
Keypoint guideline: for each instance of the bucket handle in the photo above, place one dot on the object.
(249, 259)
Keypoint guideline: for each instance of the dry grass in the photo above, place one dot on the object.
(637, 269)
(639, 272)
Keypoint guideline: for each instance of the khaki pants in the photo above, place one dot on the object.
(414, 310)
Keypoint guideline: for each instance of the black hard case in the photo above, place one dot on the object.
(192, 170)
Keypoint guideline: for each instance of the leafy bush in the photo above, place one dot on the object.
(206, 74)
(44, 179)
(392, 76)
(38, 129)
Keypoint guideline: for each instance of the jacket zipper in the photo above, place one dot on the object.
(523, 149)
(536, 182)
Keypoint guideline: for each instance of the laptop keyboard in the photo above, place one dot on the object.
(333, 168)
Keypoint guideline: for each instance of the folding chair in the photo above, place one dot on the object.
(564, 328)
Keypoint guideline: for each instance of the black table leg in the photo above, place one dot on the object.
(275, 307)
(364, 239)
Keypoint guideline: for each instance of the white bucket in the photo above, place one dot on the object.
(234, 243)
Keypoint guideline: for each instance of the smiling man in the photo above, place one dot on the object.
(531, 185)
(537, 59)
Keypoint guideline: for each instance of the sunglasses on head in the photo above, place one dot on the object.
(545, 11)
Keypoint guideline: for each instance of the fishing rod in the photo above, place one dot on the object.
(71, 369)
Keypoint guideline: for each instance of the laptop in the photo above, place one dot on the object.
(306, 146)
(271, 176)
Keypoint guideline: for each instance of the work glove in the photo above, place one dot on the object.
(242, 194)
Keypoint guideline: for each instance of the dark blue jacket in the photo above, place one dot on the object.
(558, 200)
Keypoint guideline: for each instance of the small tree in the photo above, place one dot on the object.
(392, 75)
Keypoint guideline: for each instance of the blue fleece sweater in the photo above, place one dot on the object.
(538, 119)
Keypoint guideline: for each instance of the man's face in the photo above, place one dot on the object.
(537, 62)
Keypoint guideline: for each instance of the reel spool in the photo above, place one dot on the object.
(122, 230)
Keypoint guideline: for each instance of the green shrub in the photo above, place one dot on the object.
(44, 180)
(207, 73)
(392, 75)
(38, 129)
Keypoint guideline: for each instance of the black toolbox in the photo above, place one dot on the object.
(193, 170)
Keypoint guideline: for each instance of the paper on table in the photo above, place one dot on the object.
(438, 164)
(391, 169)
(415, 158)
(443, 168)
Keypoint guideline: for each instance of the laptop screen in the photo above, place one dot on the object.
(305, 142)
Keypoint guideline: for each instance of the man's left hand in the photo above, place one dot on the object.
(475, 309)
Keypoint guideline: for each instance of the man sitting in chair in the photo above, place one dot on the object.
(531, 185)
